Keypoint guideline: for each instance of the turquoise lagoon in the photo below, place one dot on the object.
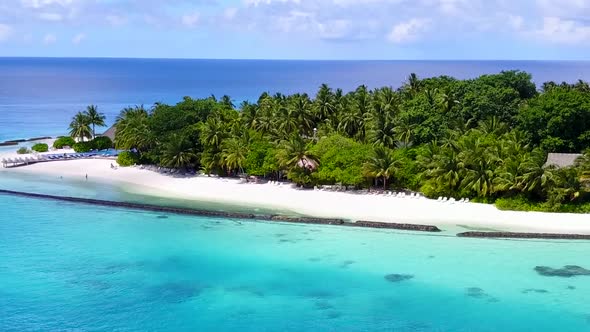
(70, 267)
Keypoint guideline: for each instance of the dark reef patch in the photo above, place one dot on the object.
(323, 305)
(475, 292)
(251, 290)
(333, 315)
(534, 290)
(175, 292)
(319, 294)
(394, 277)
(571, 287)
(162, 217)
(346, 263)
(567, 271)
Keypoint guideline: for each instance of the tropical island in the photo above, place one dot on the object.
(494, 139)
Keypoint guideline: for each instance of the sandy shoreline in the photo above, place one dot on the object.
(324, 204)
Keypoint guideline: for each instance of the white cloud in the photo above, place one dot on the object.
(230, 13)
(557, 30)
(516, 22)
(49, 39)
(50, 16)
(191, 20)
(116, 20)
(5, 31)
(408, 31)
(78, 38)
(335, 29)
(44, 3)
(452, 7)
(565, 8)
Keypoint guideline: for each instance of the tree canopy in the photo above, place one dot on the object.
(485, 138)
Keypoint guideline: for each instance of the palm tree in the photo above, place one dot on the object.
(295, 152)
(480, 161)
(432, 98)
(248, 113)
(286, 122)
(213, 132)
(227, 102)
(80, 126)
(566, 186)
(383, 129)
(446, 169)
(234, 154)
(448, 101)
(405, 132)
(178, 153)
(132, 129)
(95, 118)
(582, 165)
(324, 103)
(535, 176)
(355, 113)
(413, 83)
(301, 109)
(493, 126)
(383, 164)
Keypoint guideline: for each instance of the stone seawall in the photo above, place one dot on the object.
(233, 215)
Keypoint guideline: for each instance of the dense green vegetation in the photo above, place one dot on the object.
(102, 143)
(484, 138)
(99, 143)
(63, 141)
(127, 158)
(40, 147)
(23, 150)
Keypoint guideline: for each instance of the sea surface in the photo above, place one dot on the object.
(72, 267)
(38, 96)
(75, 267)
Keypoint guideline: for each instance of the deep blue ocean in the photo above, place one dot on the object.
(38, 96)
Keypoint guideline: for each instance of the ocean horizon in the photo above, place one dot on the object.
(38, 96)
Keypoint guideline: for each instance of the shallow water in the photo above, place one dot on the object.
(67, 266)
(68, 186)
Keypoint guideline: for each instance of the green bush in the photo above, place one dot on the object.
(63, 141)
(23, 150)
(341, 161)
(127, 158)
(520, 203)
(102, 143)
(82, 147)
(40, 147)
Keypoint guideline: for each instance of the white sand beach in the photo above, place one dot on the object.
(308, 202)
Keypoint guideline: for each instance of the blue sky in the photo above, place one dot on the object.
(298, 29)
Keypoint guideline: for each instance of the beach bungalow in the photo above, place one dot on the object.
(110, 133)
(307, 163)
(561, 160)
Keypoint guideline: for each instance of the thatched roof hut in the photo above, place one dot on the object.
(562, 159)
(307, 163)
(110, 133)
